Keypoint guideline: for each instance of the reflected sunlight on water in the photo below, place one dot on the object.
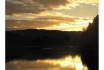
(68, 61)
(65, 63)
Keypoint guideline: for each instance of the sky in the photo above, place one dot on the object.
(64, 15)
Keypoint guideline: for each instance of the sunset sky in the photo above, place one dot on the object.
(64, 15)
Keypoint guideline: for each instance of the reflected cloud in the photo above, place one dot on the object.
(65, 63)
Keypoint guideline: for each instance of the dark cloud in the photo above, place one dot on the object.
(52, 3)
(22, 7)
(38, 6)
(32, 6)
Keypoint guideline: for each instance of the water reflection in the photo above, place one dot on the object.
(66, 63)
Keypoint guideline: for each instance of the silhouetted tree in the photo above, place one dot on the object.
(89, 45)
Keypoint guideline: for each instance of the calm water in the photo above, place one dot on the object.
(68, 62)
(65, 63)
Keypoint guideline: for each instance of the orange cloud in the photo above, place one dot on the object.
(50, 23)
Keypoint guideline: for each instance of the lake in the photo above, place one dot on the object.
(63, 59)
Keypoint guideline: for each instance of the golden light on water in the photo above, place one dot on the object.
(66, 63)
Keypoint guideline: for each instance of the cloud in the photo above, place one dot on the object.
(51, 3)
(32, 6)
(41, 21)
(49, 23)
(26, 24)
(34, 16)
(57, 18)
(22, 6)
(38, 6)
(87, 1)
(49, 13)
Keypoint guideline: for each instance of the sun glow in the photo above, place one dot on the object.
(78, 25)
